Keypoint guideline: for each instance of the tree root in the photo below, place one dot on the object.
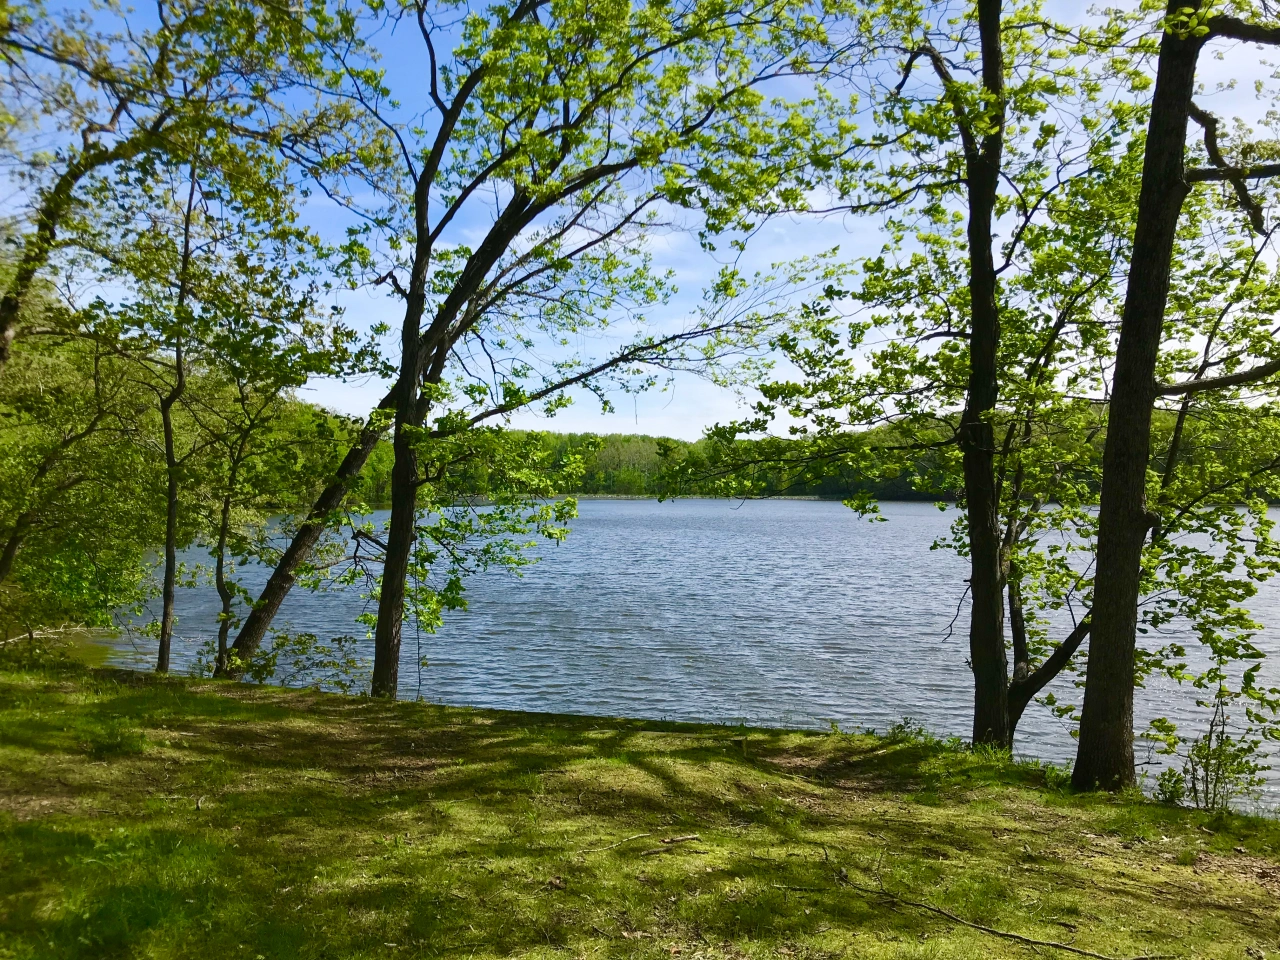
(1016, 937)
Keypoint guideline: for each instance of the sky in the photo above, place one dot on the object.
(682, 408)
(687, 405)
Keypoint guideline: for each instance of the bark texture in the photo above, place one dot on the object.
(986, 624)
(402, 525)
(1104, 755)
(172, 473)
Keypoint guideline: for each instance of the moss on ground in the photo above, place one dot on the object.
(150, 817)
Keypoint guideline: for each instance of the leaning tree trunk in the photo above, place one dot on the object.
(986, 623)
(254, 629)
(1104, 755)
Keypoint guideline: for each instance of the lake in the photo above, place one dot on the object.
(786, 613)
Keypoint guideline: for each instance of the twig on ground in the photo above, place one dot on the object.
(305, 776)
(613, 845)
(1017, 937)
(670, 845)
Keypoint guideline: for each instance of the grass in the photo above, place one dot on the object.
(148, 817)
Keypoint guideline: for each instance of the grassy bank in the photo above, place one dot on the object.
(169, 818)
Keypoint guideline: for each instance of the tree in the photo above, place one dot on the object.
(579, 125)
(1105, 753)
(989, 322)
(220, 291)
(73, 546)
(113, 97)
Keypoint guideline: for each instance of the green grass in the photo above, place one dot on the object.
(145, 817)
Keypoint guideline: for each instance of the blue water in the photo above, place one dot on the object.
(777, 613)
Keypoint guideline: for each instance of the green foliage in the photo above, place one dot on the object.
(1221, 767)
(297, 660)
(77, 488)
(488, 495)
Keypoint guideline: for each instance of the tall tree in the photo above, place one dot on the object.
(98, 95)
(1104, 755)
(572, 126)
(988, 323)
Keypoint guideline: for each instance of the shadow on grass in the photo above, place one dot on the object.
(143, 815)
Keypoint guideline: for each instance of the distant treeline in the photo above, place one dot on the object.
(633, 465)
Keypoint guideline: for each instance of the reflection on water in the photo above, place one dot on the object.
(779, 613)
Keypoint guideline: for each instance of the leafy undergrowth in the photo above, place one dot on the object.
(145, 817)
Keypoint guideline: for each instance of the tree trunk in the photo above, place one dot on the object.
(401, 534)
(1104, 755)
(10, 551)
(170, 451)
(402, 528)
(220, 580)
(170, 523)
(254, 629)
(986, 623)
(170, 539)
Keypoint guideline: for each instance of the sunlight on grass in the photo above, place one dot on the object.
(168, 818)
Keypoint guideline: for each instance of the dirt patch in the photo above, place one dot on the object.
(1265, 873)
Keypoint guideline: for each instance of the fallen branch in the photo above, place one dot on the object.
(670, 845)
(614, 845)
(306, 776)
(1016, 937)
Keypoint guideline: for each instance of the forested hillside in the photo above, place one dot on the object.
(635, 465)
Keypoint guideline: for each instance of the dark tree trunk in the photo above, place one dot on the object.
(401, 535)
(254, 629)
(10, 551)
(1104, 755)
(402, 528)
(1018, 628)
(170, 522)
(172, 467)
(220, 580)
(986, 624)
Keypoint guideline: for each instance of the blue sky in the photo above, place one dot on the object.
(685, 406)
(689, 404)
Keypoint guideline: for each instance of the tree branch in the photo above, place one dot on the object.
(1261, 372)
(1252, 208)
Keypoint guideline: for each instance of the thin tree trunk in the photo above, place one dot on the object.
(1104, 755)
(170, 523)
(220, 579)
(172, 467)
(987, 656)
(10, 551)
(1018, 628)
